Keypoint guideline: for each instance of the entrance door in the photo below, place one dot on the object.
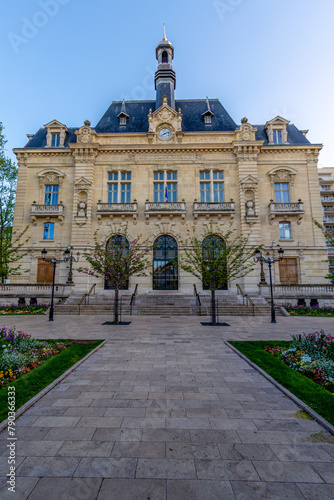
(288, 271)
(165, 268)
(44, 271)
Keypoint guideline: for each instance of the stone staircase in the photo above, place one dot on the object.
(164, 304)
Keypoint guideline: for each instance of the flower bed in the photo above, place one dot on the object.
(309, 311)
(20, 353)
(312, 355)
(14, 309)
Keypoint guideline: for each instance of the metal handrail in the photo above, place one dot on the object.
(90, 291)
(134, 295)
(84, 297)
(247, 297)
(197, 296)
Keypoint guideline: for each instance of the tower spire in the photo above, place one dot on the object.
(165, 75)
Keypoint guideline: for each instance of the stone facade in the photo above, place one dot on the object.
(217, 175)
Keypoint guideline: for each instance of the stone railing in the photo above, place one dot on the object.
(46, 211)
(214, 207)
(112, 209)
(303, 290)
(168, 207)
(116, 208)
(34, 289)
(281, 209)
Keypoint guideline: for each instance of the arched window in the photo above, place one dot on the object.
(117, 244)
(165, 268)
(165, 57)
(214, 263)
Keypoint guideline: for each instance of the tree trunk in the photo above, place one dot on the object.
(213, 307)
(116, 307)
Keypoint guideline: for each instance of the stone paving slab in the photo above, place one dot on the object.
(168, 413)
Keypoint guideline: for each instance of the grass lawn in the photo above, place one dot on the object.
(32, 383)
(314, 395)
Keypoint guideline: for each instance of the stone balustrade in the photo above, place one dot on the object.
(286, 209)
(46, 211)
(111, 209)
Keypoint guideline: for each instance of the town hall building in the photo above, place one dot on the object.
(160, 168)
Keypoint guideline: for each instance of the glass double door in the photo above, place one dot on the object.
(165, 267)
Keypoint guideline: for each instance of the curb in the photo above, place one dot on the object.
(329, 427)
(48, 388)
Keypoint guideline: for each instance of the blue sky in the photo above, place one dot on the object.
(68, 59)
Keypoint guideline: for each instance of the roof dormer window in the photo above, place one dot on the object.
(207, 115)
(123, 117)
(277, 130)
(55, 134)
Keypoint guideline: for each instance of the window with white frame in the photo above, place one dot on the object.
(49, 229)
(55, 142)
(165, 187)
(285, 231)
(119, 187)
(212, 186)
(277, 136)
(51, 194)
(282, 192)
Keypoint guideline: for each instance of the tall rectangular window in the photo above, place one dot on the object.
(55, 140)
(212, 189)
(165, 187)
(277, 137)
(51, 195)
(285, 231)
(119, 187)
(49, 229)
(282, 192)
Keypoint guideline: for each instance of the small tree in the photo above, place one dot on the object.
(116, 260)
(9, 242)
(216, 258)
(329, 235)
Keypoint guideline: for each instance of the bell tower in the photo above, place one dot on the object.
(165, 80)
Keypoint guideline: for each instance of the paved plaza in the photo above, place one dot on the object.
(167, 411)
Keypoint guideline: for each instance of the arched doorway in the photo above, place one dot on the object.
(118, 243)
(165, 268)
(213, 247)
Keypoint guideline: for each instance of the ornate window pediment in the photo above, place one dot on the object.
(56, 133)
(277, 130)
(282, 174)
(50, 176)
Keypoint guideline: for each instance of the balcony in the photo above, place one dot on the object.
(47, 211)
(209, 209)
(118, 209)
(285, 210)
(170, 209)
(329, 209)
(327, 199)
(329, 219)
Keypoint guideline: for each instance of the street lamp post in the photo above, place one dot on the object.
(270, 261)
(67, 257)
(70, 272)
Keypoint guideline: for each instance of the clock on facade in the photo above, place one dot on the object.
(165, 133)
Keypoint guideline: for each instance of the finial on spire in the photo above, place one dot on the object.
(164, 38)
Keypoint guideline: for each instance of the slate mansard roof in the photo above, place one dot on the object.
(192, 111)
